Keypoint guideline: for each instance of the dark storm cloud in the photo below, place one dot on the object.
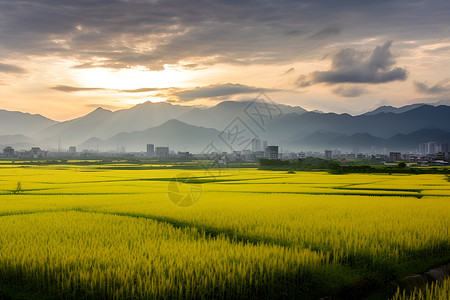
(7, 68)
(218, 91)
(441, 87)
(121, 34)
(351, 66)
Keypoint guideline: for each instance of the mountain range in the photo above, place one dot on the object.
(187, 128)
(15, 122)
(173, 134)
(367, 142)
(392, 109)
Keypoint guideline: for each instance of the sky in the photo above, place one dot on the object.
(62, 59)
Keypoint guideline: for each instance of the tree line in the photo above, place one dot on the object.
(335, 167)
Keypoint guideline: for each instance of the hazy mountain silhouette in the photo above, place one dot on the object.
(15, 122)
(420, 136)
(332, 140)
(222, 114)
(79, 129)
(364, 141)
(294, 128)
(320, 137)
(392, 109)
(17, 141)
(177, 135)
(104, 123)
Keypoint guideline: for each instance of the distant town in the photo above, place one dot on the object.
(429, 153)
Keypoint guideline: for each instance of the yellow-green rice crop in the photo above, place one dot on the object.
(103, 256)
(302, 234)
(432, 291)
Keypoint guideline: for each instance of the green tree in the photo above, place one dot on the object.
(401, 165)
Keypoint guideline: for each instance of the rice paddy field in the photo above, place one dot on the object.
(433, 290)
(135, 232)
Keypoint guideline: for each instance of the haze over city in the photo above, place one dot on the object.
(63, 59)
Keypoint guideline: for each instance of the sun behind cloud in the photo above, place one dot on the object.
(129, 79)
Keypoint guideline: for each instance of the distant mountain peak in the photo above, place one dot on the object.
(147, 103)
(158, 104)
(98, 112)
(101, 109)
(173, 122)
(394, 110)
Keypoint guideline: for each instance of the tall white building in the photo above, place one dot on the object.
(423, 149)
(432, 148)
(256, 145)
(162, 152)
(150, 149)
(72, 150)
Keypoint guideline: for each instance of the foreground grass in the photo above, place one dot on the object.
(432, 291)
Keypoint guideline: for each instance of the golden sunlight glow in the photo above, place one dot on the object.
(128, 79)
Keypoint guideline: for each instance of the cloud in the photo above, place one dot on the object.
(294, 32)
(7, 68)
(303, 81)
(218, 91)
(325, 33)
(174, 94)
(190, 66)
(290, 71)
(351, 66)
(439, 50)
(441, 87)
(349, 91)
(143, 90)
(72, 89)
(124, 34)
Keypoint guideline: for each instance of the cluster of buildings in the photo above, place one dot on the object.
(259, 150)
(33, 153)
(164, 152)
(271, 152)
(160, 152)
(440, 158)
(428, 153)
(432, 148)
(38, 153)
